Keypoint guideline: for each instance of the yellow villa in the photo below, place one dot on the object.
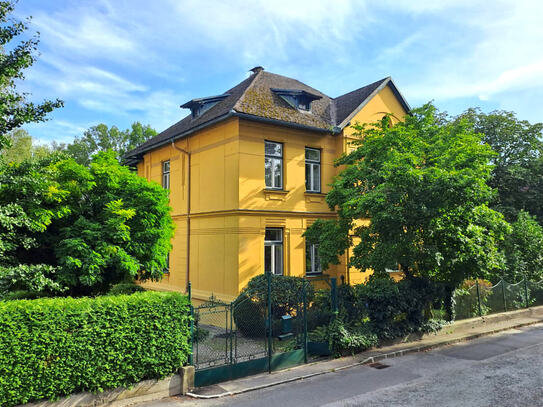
(248, 171)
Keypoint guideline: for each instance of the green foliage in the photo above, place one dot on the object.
(250, 306)
(524, 250)
(396, 308)
(101, 138)
(126, 289)
(53, 347)
(422, 182)
(518, 165)
(22, 147)
(344, 340)
(14, 59)
(466, 302)
(34, 280)
(97, 225)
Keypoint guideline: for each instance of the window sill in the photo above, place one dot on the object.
(275, 194)
(316, 197)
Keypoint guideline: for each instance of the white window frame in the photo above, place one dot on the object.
(274, 246)
(166, 174)
(311, 185)
(273, 160)
(314, 262)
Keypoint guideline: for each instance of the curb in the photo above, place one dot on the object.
(368, 360)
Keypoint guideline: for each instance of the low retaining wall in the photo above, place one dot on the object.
(146, 390)
(466, 324)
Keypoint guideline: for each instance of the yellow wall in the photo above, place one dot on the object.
(230, 208)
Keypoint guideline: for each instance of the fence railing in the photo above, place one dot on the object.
(477, 298)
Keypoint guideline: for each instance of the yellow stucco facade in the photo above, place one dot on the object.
(230, 207)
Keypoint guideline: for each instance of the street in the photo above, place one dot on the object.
(498, 370)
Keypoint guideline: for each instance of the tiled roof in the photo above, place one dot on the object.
(254, 98)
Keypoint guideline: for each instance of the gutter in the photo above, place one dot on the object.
(188, 207)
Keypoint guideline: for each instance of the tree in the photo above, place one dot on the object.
(22, 147)
(101, 138)
(15, 110)
(524, 250)
(422, 185)
(518, 165)
(92, 226)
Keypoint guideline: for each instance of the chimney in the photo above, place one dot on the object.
(257, 69)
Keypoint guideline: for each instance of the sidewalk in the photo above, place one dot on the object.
(456, 332)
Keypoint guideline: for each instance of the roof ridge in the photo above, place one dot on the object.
(362, 87)
(252, 77)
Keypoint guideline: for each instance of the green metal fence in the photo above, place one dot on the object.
(478, 298)
(232, 340)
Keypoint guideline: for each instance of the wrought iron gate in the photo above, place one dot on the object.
(248, 336)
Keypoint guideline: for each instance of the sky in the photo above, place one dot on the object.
(121, 61)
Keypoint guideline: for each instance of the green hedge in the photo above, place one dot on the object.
(53, 347)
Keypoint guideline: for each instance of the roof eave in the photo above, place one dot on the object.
(138, 156)
(246, 116)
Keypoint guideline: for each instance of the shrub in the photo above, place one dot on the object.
(251, 305)
(125, 288)
(395, 308)
(465, 297)
(53, 347)
(344, 340)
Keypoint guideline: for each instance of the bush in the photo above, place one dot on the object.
(125, 288)
(465, 298)
(344, 340)
(250, 306)
(395, 308)
(53, 347)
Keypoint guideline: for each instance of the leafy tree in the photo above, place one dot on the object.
(524, 249)
(22, 147)
(422, 183)
(15, 110)
(94, 226)
(101, 138)
(518, 170)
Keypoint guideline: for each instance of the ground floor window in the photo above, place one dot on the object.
(312, 259)
(273, 251)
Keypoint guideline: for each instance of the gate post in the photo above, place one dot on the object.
(304, 299)
(478, 297)
(231, 335)
(191, 308)
(503, 295)
(269, 322)
(525, 292)
(333, 293)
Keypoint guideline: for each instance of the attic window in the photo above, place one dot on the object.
(298, 99)
(199, 106)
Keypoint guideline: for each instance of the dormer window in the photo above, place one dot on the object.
(298, 99)
(199, 106)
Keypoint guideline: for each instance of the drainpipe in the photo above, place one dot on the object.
(188, 209)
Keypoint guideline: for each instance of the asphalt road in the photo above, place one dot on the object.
(499, 370)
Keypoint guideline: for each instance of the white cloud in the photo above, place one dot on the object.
(129, 59)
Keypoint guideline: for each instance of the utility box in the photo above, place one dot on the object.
(286, 327)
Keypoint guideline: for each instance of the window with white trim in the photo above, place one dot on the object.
(273, 165)
(166, 174)
(273, 251)
(312, 169)
(312, 259)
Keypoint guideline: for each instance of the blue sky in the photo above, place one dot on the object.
(121, 61)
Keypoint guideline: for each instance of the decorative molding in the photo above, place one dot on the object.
(314, 197)
(275, 194)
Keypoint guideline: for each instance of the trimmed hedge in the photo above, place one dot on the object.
(54, 347)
